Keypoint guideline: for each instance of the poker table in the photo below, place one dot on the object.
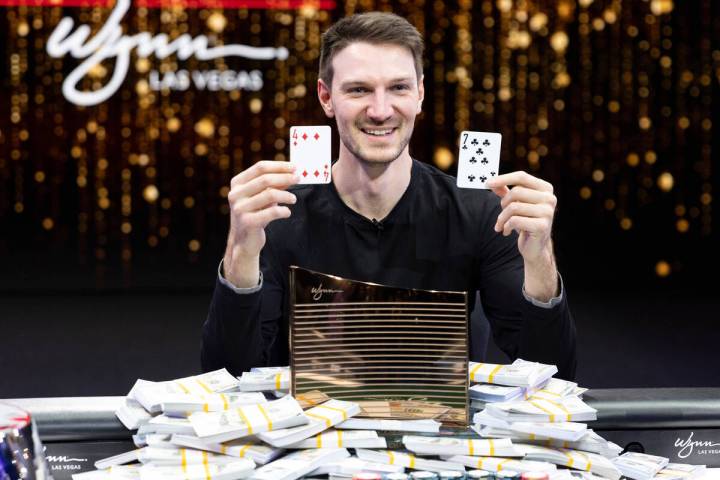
(682, 424)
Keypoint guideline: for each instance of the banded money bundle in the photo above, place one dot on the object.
(216, 426)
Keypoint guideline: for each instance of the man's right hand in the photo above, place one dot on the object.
(257, 197)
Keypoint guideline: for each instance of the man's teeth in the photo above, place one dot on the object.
(379, 132)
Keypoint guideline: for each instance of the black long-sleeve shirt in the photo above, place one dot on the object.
(437, 237)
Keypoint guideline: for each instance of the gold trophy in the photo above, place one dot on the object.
(401, 353)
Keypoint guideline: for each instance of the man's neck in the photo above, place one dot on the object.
(372, 190)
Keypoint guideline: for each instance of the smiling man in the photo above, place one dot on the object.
(386, 218)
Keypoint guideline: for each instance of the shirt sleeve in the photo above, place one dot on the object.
(240, 290)
(242, 325)
(550, 303)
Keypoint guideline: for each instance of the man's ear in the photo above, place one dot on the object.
(324, 96)
(421, 93)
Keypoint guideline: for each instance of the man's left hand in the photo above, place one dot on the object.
(528, 208)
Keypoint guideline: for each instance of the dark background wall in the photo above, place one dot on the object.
(113, 217)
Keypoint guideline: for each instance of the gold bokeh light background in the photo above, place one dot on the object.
(610, 100)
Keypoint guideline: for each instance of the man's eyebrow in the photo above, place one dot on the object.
(361, 83)
(352, 83)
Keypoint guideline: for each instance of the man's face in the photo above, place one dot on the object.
(374, 97)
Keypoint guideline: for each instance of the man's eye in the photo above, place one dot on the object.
(401, 86)
(357, 90)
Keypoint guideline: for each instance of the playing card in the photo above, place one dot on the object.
(310, 151)
(479, 158)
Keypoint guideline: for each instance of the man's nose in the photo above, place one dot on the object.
(380, 108)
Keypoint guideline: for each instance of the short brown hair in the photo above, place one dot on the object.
(371, 27)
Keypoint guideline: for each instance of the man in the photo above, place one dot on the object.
(386, 218)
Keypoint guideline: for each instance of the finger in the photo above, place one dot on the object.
(261, 218)
(260, 168)
(269, 180)
(501, 191)
(527, 195)
(533, 226)
(264, 199)
(522, 209)
(520, 178)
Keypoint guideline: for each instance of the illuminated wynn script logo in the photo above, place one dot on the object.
(110, 43)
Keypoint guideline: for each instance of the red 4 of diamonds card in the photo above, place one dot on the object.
(310, 152)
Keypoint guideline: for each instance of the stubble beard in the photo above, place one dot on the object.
(369, 160)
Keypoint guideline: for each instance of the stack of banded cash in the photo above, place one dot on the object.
(545, 417)
(217, 426)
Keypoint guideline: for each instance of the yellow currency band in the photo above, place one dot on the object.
(267, 419)
(474, 370)
(552, 415)
(391, 456)
(205, 464)
(532, 436)
(277, 381)
(318, 441)
(561, 407)
(206, 408)
(182, 387)
(548, 392)
(226, 403)
(471, 448)
(327, 420)
(245, 419)
(223, 449)
(491, 377)
(183, 460)
(343, 412)
(492, 447)
(587, 459)
(479, 462)
(412, 461)
(500, 465)
(571, 461)
(339, 434)
(205, 387)
(244, 449)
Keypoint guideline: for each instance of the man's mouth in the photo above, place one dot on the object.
(378, 132)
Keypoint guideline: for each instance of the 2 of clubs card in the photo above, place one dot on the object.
(310, 152)
(479, 158)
